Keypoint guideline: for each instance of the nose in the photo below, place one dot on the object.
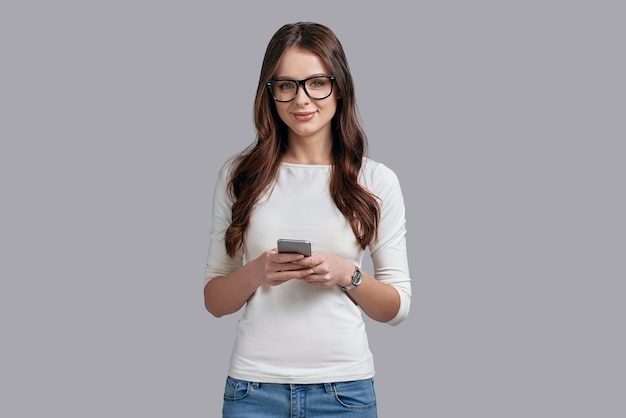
(301, 96)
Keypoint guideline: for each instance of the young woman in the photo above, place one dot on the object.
(301, 344)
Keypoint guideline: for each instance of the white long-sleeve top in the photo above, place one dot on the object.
(296, 332)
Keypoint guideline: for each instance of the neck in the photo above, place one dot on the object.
(305, 151)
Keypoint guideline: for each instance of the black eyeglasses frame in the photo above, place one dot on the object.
(303, 84)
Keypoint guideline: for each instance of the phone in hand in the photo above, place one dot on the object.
(297, 246)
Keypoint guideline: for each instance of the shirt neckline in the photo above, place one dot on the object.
(285, 164)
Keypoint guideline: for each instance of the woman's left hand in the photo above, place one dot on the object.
(328, 270)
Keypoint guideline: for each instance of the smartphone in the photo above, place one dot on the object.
(294, 246)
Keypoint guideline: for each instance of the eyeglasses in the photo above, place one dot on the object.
(317, 88)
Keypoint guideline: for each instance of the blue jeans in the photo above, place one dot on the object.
(243, 399)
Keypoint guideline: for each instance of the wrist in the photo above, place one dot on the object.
(346, 276)
(355, 280)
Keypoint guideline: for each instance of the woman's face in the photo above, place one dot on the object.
(306, 118)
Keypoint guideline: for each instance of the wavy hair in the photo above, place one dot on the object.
(255, 169)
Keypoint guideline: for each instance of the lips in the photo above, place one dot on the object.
(303, 116)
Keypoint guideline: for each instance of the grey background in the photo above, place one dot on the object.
(503, 120)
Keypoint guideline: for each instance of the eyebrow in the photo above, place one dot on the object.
(292, 78)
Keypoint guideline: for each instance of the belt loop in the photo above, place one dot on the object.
(329, 388)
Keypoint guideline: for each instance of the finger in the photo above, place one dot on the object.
(289, 267)
(286, 257)
(319, 278)
(299, 274)
(289, 274)
(310, 261)
(317, 281)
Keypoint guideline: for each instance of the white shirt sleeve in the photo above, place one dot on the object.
(218, 262)
(389, 254)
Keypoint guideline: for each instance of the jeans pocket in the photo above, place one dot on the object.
(236, 389)
(357, 394)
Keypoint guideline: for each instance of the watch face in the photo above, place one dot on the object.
(356, 280)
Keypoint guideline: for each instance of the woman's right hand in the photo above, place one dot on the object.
(273, 268)
(227, 294)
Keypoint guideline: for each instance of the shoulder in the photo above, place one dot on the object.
(377, 177)
(226, 170)
(223, 188)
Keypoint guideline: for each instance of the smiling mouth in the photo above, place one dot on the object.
(303, 116)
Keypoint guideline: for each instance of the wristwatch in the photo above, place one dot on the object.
(356, 280)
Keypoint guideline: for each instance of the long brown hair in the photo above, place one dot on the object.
(255, 169)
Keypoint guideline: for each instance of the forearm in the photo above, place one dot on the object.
(379, 301)
(224, 295)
